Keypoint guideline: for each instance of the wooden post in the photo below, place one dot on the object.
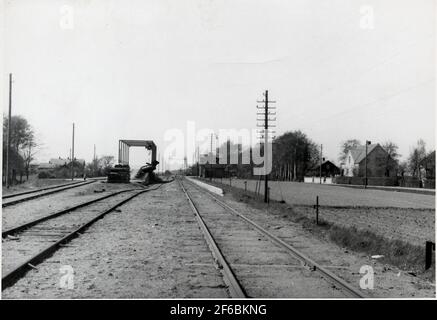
(429, 248)
(321, 162)
(317, 210)
(8, 146)
(268, 195)
(72, 155)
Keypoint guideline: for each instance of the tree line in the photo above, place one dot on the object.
(296, 155)
(24, 148)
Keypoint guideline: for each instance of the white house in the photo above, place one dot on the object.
(379, 162)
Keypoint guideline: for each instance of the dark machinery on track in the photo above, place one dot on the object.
(121, 171)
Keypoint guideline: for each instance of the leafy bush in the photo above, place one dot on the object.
(45, 175)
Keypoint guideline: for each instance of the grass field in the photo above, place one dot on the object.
(408, 217)
(295, 193)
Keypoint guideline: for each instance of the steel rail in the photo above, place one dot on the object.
(235, 289)
(16, 194)
(13, 202)
(316, 266)
(14, 275)
(15, 230)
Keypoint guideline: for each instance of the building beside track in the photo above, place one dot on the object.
(379, 162)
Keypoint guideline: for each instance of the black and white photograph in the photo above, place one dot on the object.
(229, 151)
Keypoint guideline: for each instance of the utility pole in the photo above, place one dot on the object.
(265, 135)
(321, 162)
(161, 164)
(9, 132)
(365, 161)
(94, 162)
(210, 164)
(198, 159)
(72, 155)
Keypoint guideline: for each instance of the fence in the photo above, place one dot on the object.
(406, 182)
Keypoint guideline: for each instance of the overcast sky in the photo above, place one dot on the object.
(134, 69)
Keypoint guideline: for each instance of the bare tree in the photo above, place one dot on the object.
(22, 142)
(346, 146)
(402, 168)
(392, 161)
(105, 163)
(417, 154)
(392, 149)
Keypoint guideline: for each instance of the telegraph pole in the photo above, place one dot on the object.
(198, 158)
(321, 162)
(94, 161)
(365, 173)
(210, 165)
(265, 135)
(72, 155)
(9, 131)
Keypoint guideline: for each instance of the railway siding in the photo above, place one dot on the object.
(40, 207)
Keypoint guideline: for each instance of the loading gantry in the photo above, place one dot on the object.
(121, 171)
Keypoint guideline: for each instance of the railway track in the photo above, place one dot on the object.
(256, 263)
(15, 198)
(29, 244)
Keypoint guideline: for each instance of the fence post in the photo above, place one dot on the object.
(245, 186)
(317, 210)
(268, 195)
(429, 248)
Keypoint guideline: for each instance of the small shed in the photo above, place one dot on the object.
(212, 170)
(329, 169)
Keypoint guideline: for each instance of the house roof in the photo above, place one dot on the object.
(63, 162)
(325, 165)
(46, 166)
(359, 153)
(327, 162)
(59, 162)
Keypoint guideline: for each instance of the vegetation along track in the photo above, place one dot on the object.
(33, 194)
(30, 247)
(256, 263)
